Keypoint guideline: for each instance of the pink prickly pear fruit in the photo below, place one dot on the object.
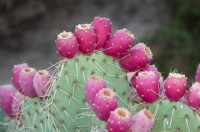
(102, 28)
(198, 74)
(139, 45)
(138, 57)
(119, 43)
(175, 86)
(147, 86)
(6, 99)
(86, 37)
(15, 75)
(92, 87)
(119, 120)
(16, 103)
(105, 102)
(153, 69)
(67, 44)
(142, 121)
(193, 96)
(41, 82)
(26, 81)
(133, 79)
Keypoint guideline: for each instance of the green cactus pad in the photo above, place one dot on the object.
(35, 116)
(174, 117)
(68, 104)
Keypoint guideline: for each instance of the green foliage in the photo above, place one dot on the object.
(177, 44)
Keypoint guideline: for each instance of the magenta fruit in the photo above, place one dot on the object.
(92, 87)
(6, 99)
(105, 102)
(153, 69)
(41, 82)
(198, 74)
(102, 28)
(26, 82)
(175, 86)
(119, 43)
(86, 37)
(67, 44)
(138, 57)
(142, 121)
(193, 96)
(147, 68)
(119, 120)
(147, 86)
(133, 79)
(15, 75)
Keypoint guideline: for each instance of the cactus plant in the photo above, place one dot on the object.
(70, 98)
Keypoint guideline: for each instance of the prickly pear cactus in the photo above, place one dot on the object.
(174, 116)
(69, 107)
(62, 104)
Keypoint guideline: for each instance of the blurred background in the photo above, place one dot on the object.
(170, 28)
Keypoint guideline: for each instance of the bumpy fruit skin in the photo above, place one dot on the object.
(154, 69)
(15, 75)
(92, 87)
(119, 120)
(26, 82)
(16, 103)
(142, 121)
(138, 57)
(41, 82)
(86, 37)
(102, 28)
(198, 74)
(175, 86)
(147, 86)
(6, 99)
(147, 68)
(105, 102)
(67, 44)
(193, 96)
(119, 43)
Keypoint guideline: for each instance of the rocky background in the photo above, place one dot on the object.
(28, 28)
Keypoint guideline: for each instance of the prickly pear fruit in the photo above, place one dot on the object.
(92, 87)
(147, 86)
(15, 75)
(153, 69)
(142, 121)
(198, 74)
(119, 43)
(105, 102)
(138, 57)
(133, 79)
(41, 82)
(6, 99)
(119, 120)
(67, 44)
(102, 28)
(86, 37)
(193, 96)
(175, 86)
(16, 103)
(147, 68)
(26, 82)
